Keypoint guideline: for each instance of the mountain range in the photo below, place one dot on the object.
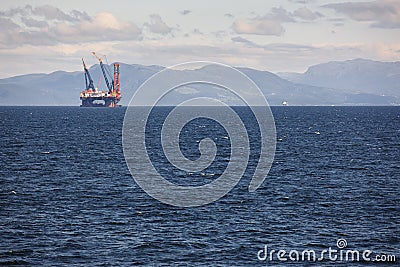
(352, 82)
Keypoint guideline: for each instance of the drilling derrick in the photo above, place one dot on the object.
(117, 85)
(92, 97)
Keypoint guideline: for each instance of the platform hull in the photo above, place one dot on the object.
(107, 102)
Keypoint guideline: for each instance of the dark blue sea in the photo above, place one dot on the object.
(67, 197)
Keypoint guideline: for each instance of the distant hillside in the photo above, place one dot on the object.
(355, 76)
(321, 85)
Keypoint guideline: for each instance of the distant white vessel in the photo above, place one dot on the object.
(284, 103)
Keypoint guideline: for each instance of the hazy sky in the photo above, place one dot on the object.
(287, 35)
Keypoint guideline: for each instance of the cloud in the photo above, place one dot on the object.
(269, 56)
(197, 31)
(382, 13)
(269, 24)
(78, 15)
(103, 26)
(23, 11)
(239, 39)
(157, 25)
(337, 21)
(259, 26)
(185, 12)
(288, 47)
(276, 47)
(29, 22)
(228, 15)
(302, 1)
(52, 13)
(48, 25)
(306, 14)
(47, 12)
(194, 32)
(276, 57)
(7, 25)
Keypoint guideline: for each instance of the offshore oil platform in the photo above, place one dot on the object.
(92, 97)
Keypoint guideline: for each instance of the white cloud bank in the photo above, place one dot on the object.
(381, 13)
(48, 25)
(45, 38)
(157, 25)
(272, 22)
(269, 24)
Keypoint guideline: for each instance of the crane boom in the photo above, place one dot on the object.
(109, 85)
(88, 78)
